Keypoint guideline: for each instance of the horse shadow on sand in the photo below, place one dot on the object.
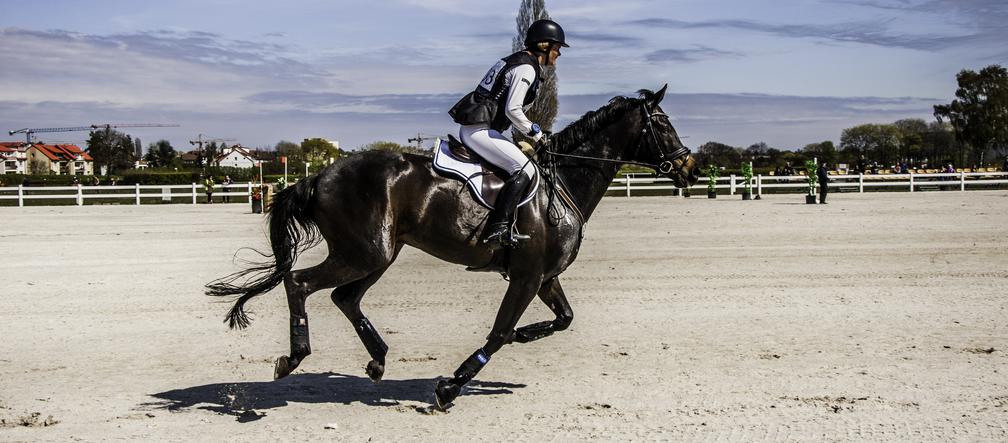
(245, 399)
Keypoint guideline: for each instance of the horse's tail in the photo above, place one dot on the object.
(292, 231)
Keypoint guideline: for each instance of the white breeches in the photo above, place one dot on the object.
(496, 149)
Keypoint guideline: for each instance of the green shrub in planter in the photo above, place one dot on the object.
(747, 180)
(712, 176)
(810, 175)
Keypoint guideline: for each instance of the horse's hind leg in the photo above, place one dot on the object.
(552, 294)
(347, 298)
(299, 285)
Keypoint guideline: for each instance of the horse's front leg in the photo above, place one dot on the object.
(552, 294)
(517, 298)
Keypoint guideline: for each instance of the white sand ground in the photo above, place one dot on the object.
(876, 317)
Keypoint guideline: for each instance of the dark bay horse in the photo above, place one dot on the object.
(371, 204)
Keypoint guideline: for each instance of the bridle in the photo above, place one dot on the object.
(665, 163)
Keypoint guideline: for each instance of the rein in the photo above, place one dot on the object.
(665, 166)
(559, 188)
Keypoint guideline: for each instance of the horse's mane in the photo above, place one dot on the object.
(576, 133)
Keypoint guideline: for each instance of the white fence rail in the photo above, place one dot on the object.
(135, 193)
(626, 185)
(798, 183)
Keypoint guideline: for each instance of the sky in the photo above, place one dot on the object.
(783, 72)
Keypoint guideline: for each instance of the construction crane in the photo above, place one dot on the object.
(200, 141)
(28, 132)
(420, 138)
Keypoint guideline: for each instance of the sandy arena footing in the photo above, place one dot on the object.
(880, 316)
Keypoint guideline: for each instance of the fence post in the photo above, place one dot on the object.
(80, 195)
(860, 182)
(137, 193)
(194, 193)
(962, 180)
(250, 192)
(627, 178)
(20, 195)
(911, 182)
(731, 190)
(759, 185)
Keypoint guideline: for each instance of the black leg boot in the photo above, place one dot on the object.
(498, 229)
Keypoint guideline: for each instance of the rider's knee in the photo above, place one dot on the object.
(529, 170)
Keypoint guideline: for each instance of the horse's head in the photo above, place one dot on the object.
(660, 145)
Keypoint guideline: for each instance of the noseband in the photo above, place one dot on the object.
(665, 164)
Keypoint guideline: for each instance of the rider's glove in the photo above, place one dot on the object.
(544, 139)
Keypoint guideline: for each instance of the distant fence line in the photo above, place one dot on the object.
(627, 185)
(80, 194)
(842, 183)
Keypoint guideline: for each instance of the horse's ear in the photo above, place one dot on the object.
(660, 94)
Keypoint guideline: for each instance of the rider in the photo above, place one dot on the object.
(498, 102)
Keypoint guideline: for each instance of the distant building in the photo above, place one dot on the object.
(13, 158)
(58, 159)
(189, 158)
(236, 156)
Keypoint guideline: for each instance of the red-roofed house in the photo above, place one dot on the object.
(59, 159)
(13, 158)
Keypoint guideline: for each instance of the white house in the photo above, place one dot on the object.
(236, 157)
(13, 158)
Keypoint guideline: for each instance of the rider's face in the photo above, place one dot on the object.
(554, 54)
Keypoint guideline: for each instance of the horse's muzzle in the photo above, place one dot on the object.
(683, 171)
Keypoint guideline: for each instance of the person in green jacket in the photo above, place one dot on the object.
(208, 186)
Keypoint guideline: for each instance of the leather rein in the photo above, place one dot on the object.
(664, 166)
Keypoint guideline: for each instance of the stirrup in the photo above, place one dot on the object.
(505, 236)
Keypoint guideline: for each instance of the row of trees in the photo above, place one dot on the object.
(970, 131)
(315, 151)
(911, 141)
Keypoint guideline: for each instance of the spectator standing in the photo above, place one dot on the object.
(208, 185)
(823, 175)
(227, 181)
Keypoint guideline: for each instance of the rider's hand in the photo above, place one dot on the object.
(543, 139)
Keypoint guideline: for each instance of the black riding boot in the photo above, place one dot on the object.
(498, 228)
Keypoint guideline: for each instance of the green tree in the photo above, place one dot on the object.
(940, 144)
(758, 154)
(824, 151)
(161, 154)
(544, 110)
(289, 149)
(714, 153)
(875, 142)
(911, 139)
(210, 152)
(111, 148)
(386, 146)
(318, 150)
(979, 114)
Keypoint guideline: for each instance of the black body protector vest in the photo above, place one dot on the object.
(487, 103)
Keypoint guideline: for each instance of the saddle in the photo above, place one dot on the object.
(453, 159)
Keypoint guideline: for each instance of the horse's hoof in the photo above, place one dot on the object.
(283, 368)
(375, 370)
(444, 393)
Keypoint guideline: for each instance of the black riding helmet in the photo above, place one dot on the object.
(544, 31)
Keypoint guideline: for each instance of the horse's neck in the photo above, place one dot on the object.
(587, 184)
(588, 180)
